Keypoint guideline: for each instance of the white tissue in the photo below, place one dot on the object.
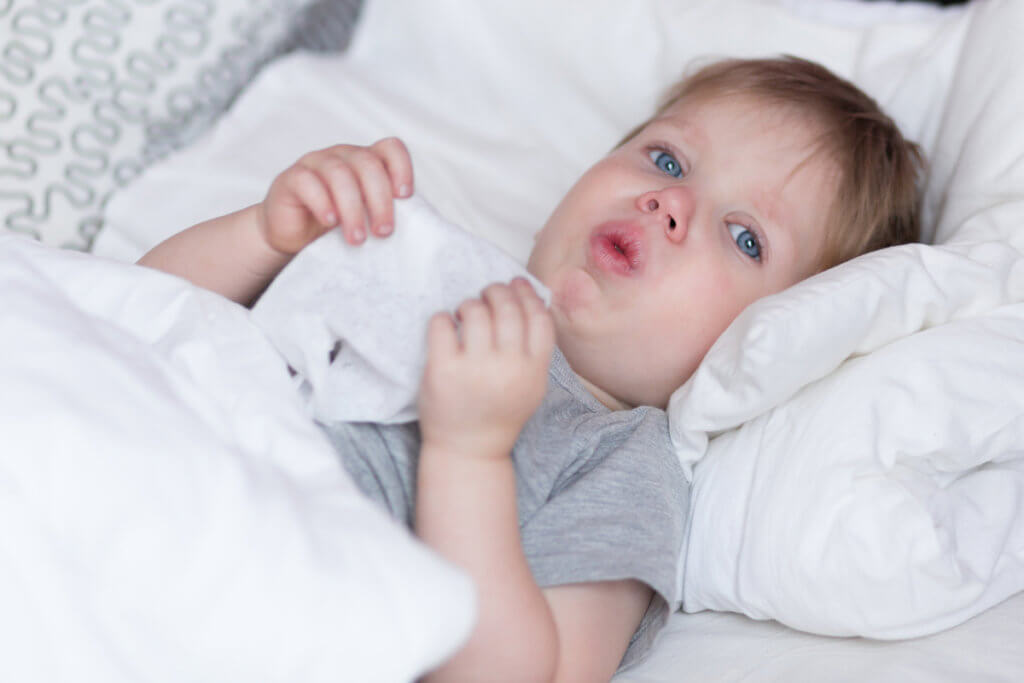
(372, 303)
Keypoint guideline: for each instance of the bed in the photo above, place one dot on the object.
(856, 443)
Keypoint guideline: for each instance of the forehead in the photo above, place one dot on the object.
(765, 156)
(742, 124)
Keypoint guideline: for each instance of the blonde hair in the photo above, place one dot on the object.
(877, 200)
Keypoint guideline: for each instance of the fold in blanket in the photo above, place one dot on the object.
(169, 512)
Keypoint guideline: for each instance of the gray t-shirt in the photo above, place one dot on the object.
(601, 495)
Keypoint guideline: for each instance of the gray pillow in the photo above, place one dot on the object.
(92, 92)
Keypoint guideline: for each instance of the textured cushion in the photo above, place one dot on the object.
(92, 92)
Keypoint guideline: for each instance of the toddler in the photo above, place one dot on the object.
(541, 461)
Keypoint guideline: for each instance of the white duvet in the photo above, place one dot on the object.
(856, 442)
(887, 497)
(168, 511)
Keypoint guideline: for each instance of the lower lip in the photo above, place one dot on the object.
(609, 259)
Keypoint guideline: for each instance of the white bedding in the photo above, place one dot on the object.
(719, 647)
(867, 471)
(168, 512)
(857, 439)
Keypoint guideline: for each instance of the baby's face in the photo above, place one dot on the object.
(661, 244)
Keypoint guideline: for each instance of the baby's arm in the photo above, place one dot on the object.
(481, 384)
(595, 622)
(237, 255)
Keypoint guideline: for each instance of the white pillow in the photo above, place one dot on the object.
(881, 498)
(91, 92)
(505, 112)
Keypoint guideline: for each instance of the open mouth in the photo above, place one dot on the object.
(618, 248)
(624, 249)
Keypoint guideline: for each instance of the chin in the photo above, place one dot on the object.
(652, 389)
(643, 398)
(574, 296)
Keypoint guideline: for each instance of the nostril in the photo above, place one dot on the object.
(671, 223)
(653, 205)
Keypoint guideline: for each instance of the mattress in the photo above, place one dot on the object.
(731, 648)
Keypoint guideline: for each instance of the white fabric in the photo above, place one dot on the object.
(352, 320)
(503, 105)
(881, 495)
(729, 648)
(169, 513)
(502, 114)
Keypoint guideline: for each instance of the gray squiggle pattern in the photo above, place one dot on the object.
(93, 91)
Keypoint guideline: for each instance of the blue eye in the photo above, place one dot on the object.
(666, 162)
(745, 240)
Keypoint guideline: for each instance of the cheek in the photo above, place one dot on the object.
(701, 309)
(589, 196)
(553, 239)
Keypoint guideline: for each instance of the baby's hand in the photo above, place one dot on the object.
(343, 185)
(484, 379)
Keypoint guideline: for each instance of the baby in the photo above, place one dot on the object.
(541, 461)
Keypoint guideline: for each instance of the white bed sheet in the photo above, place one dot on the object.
(722, 647)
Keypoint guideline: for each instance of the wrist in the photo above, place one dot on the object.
(271, 259)
(263, 233)
(467, 448)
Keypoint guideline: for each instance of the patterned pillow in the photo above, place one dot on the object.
(91, 92)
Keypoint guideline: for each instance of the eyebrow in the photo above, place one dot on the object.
(687, 131)
(767, 207)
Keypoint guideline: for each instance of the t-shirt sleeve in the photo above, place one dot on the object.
(619, 515)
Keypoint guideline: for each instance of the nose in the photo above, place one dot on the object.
(674, 208)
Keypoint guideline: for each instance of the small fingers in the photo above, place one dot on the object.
(508, 315)
(442, 336)
(540, 328)
(395, 156)
(346, 193)
(363, 182)
(313, 194)
(474, 325)
(376, 189)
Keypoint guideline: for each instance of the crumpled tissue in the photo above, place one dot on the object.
(351, 321)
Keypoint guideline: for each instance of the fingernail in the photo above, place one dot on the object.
(384, 229)
(403, 191)
(331, 219)
(358, 235)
